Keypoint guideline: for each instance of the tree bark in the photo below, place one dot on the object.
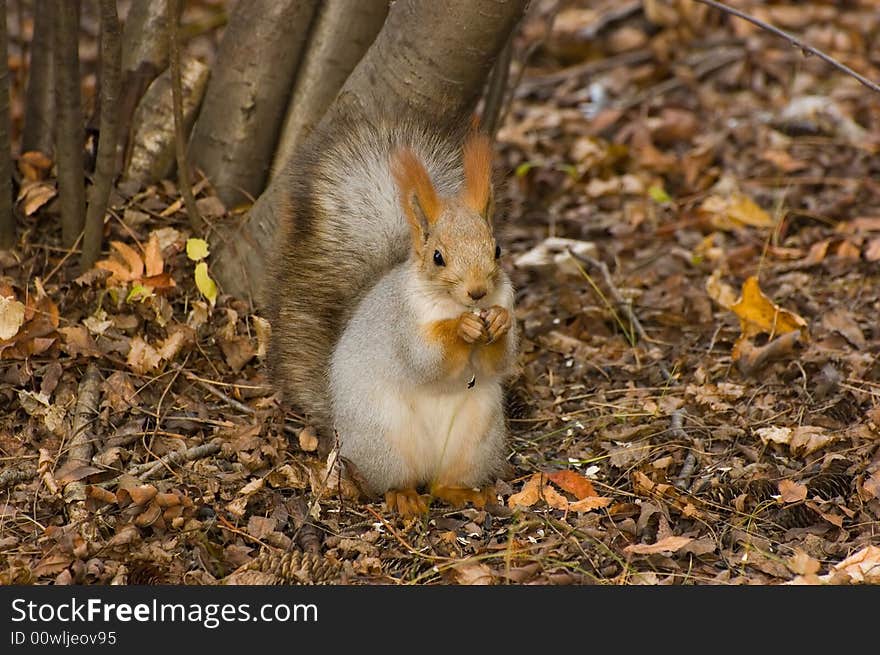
(105, 166)
(151, 147)
(7, 220)
(183, 180)
(69, 132)
(341, 33)
(429, 63)
(236, 131)
(39, 112)
(144, 57)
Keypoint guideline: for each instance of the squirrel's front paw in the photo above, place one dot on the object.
(470, 327)
(497, 321)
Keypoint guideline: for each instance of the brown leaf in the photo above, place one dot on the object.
(572, 482)
(73, 471)
(792, 492)
(871, 486)
(259, 526)
(78, 341)
(470, 572)
(237, 351)
(872, 250)
(142, 358)
(843, 321)
(667, 545)
(34, 195)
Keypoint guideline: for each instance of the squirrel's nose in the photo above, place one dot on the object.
(477, 293)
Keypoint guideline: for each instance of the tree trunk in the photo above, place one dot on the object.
(105, 166)
(430, 62)
(340, 35)
(69, 131)
(151, 148)
(7, 220)
(236, 131)
(39, 112)
(144, 57)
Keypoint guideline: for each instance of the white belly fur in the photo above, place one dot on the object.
(437, 434)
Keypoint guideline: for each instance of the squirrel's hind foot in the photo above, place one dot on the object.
(406, 502)
(461, 496)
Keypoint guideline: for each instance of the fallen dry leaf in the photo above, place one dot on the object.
(530, 493)
(572, 482)
(758, 314)
(590, 503)
(667, 545)
(734, 211)
(792, 492)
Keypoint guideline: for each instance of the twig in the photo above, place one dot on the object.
(105, 167)
(12, 476)
(80, 449)
(148, 469)
(676, 429)
(232, 402)
(622, 305)
(192, 210)
(794, 41)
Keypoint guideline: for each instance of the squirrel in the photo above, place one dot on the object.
(392, 320)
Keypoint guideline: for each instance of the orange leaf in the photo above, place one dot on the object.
(153, 256)
(530, 494)
(590, 503)
(573, 483)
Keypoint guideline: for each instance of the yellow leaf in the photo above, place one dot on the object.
(733, 211)
(205, 284)
(758, 314)
(196, 249)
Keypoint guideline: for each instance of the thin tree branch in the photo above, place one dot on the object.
(794, 41)
(105, 169)
(183, 181)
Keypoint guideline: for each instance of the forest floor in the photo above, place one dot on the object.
(699, 391)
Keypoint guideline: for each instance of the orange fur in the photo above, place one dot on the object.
(413, 181)
(456, 351)
(477, 172)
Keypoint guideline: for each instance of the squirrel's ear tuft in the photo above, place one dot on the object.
(478, 173)
(417, 195)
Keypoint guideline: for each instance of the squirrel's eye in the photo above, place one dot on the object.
(438, 258)
(497, 251)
